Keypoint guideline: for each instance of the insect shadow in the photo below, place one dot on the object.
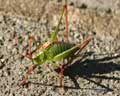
(88, 68)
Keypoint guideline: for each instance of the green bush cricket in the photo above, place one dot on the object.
(54, 51)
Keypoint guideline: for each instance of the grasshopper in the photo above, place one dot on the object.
(54, 51)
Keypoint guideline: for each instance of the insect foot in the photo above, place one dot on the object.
(25, 80)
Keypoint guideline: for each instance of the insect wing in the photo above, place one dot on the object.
(72, 50)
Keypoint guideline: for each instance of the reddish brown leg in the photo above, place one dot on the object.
(29, 72)
(66, 20)
(33, 66)
(29, 52)
(61, 75)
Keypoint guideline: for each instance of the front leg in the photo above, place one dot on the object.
(29, 55)
(29, 72)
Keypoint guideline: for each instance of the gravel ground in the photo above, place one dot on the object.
(98, 74)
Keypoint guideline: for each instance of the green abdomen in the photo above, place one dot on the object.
(58, 48)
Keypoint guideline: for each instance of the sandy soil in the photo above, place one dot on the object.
(98, 74)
